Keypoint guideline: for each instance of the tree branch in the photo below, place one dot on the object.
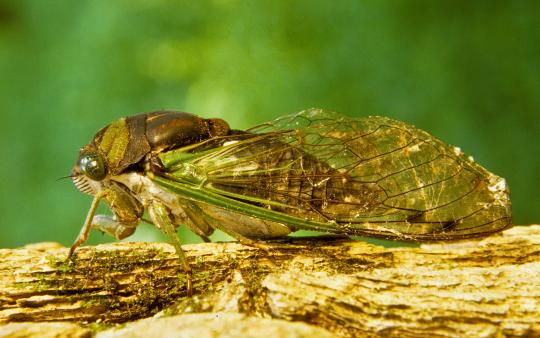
(488, 287)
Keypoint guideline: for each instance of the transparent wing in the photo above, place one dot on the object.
(370, 176)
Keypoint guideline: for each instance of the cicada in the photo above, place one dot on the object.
(315, 170)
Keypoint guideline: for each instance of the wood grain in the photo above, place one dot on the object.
(477, 288)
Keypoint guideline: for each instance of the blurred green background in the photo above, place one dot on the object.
(466, 71)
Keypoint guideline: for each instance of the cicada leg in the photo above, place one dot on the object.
(160, 215)
(198, 215)
(111, 226)
(85, 230)
(194, 228)
(198, 226)
(127, 212)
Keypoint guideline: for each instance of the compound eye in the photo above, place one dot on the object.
(93, 166)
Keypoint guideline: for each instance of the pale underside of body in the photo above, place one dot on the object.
(204, 218)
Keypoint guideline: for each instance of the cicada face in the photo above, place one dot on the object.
(91, 176)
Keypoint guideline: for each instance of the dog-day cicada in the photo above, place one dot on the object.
(315, 170)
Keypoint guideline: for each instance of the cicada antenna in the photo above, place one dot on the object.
(64, 177)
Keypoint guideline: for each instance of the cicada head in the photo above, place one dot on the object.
(101, 158)
(108, 154)
(124, 144)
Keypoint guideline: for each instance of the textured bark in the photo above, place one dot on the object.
(487, 287)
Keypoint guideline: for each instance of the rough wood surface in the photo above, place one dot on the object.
(483, 288)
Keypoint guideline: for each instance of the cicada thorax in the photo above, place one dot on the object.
(127, 141)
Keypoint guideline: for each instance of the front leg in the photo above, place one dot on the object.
(112, 227)
(127, 214)
(87, 226)
(108, 225)
(160, 216)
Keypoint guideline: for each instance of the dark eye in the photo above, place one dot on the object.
(92, 165)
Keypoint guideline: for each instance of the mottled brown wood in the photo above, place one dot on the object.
(487, 287)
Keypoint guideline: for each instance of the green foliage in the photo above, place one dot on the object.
(466, 71)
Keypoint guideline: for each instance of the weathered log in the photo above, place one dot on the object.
(487, 287)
